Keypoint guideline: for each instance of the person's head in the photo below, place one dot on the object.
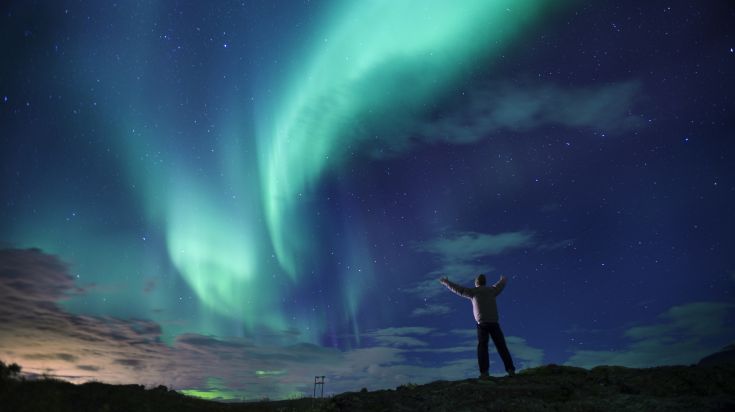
(480, 280)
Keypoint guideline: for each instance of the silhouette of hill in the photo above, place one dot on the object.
(546, 388)
(563, 388)
(726, 356)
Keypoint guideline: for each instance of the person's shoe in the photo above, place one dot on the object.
(511, 373)
(484, 377)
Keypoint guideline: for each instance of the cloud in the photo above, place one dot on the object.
(561, 244)
(405, 330)
(431, 310)
(400, 337)
(150, 286)
(524, 355)
(683, 335)
(18, 287)
(130, 363)
(123, 351)
(501, 107)
(454, 349)
(400, 341)
(462, 254)
(702, 319)
(430, 286)
(464, 332)
(52, 356)
(467, 246)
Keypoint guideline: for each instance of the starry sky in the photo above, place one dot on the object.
(229, 198)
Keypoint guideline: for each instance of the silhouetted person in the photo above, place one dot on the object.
(486, 315)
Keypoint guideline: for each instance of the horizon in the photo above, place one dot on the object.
(30, 377)
(231, 198)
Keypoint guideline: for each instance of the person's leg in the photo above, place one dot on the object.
(483, 359)
(499, 340)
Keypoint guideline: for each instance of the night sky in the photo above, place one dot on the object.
(229, 198)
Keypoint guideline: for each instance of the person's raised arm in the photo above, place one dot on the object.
(500, 285)
(458, 289)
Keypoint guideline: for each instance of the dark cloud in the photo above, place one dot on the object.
(52, 356)
(133, 363)
(149, 286)
(89, 368)
(201, 341)
(31, 275)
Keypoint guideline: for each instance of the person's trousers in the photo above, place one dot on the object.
(492, 329)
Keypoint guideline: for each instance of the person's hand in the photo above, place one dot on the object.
(444, 280)
(503, 279)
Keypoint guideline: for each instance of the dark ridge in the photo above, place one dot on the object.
(726, 356)
(546, 388)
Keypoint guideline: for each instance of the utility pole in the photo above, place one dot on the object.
(319, 380)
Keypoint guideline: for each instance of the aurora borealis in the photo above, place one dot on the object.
(349, 94)
(232, 197)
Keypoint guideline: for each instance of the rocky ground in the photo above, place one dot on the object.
(562, 388)
(546, 388)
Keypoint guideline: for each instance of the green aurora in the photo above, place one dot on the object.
(231, 198)
(238, 231)
(377, 67)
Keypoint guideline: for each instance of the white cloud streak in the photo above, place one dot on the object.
(431, 310)
(468, 246)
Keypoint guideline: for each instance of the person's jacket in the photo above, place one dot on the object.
(483, 299)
